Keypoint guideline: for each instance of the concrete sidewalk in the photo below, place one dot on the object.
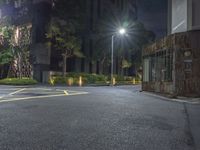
(192, 108)
(187, 100)
(194, 120)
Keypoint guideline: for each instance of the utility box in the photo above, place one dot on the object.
(46, 76)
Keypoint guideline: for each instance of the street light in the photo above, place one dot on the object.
(121, 31)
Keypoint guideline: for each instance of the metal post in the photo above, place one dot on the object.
(112, 49)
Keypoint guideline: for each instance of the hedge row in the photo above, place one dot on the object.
(74, 79)
(17, 81)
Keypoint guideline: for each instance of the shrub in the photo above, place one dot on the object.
(73, 79)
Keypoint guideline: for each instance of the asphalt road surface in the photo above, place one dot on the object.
(94, 118)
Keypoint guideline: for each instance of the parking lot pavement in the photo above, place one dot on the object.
(112, 118)
(7, 90)
(11, 93)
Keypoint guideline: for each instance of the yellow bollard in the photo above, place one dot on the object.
(134, 82)
(70, 81)
(52, 82)
(80, 81)
(114, 81)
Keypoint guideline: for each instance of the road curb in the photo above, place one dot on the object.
(194, 101)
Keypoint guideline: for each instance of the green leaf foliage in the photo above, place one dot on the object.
(63, 38)
(6, 57)
(126, 64)
(17, 81)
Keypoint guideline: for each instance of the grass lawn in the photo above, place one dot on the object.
(17, 81)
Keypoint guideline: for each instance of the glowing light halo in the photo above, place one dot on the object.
(122, 31)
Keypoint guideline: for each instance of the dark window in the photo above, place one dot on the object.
(99, 8)
(113, 1)
(91, 54)
(91, 13)
(91, 48)
(122, 4)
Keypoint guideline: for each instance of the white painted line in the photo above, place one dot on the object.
(40, 91)
(44, 89)
(70, 91)
(12, 89)
(26, 98)
(37, 97)
(79, 93)
(59, 90)
(18, 91)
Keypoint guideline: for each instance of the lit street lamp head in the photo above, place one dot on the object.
(122, 31)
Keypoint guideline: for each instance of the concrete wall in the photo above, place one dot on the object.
(158, 87)
(179, 16)
(195, 14)
(40, 52)
(183, 15)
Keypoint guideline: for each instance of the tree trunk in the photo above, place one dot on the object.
(20, 66)
(64, 65)
(100, 68)
(121, 70)
(2, 72)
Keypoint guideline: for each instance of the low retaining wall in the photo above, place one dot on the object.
(158, 87)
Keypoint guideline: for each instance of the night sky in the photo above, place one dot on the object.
(153, 14)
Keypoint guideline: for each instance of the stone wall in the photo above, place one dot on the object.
(158, 87)
(186, 64)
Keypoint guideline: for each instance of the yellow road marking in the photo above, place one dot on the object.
(66, 93)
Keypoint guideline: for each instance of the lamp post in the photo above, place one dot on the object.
(121, 31)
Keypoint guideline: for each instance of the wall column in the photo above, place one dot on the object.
(40, 52)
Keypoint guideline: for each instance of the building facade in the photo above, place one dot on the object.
(37, 15)
(183, 15)
(97, 11)
(171, 65)
(16, 14)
